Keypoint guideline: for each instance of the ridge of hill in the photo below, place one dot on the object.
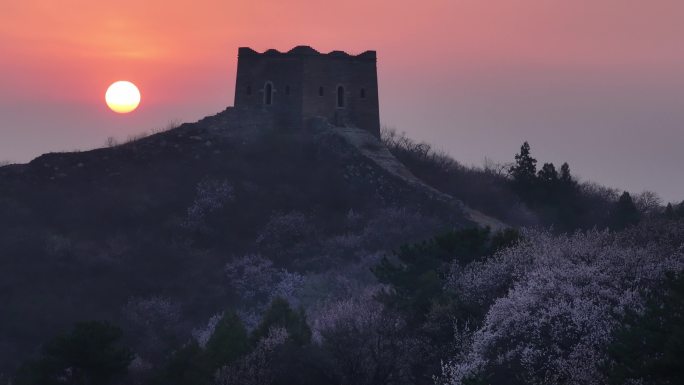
(82, 234)
(371, 147)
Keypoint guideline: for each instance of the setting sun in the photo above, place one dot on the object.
(122, 97)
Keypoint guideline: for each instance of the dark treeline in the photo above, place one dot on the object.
(522, 193)
(404, 330)
(396, 335)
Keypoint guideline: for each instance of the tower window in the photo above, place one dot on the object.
(363, 93)
(320, 91)
(249, 90)
(340, 97)
(268, 93)
(287, 90)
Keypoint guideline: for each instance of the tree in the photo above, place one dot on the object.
(552, 304)
(548, 184)
(648, 203)
(624, 213)
(650, 347)
(192, 365)
(416, 278)
(366, 344)
(279, 314)
(669, 212)
(524, 171)
(679, 211)
(228, 342)
(570, 203)
(548, 174)
(565, 176)
(90, 354)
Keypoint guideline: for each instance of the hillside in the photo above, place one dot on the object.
(84, 233)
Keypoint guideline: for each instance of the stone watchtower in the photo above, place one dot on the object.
(304, 83)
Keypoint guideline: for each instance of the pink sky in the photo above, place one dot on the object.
(597, 83)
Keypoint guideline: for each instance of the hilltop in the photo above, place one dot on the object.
(85, 232)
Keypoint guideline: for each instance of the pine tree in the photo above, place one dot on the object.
(548, 174)
(565, 176)
(524, 173)
(280, 314)
(228, 342)
(669, 212)
(624, 213)
(525, 168)
(649, 347)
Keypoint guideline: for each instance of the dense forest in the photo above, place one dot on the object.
(584, 285)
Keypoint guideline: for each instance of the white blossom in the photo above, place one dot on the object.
(257, 282)
(203, 334)
(211, 196)
(555, 301)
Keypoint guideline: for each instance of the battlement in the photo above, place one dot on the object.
(305, 50)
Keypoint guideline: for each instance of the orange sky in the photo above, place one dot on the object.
(597, 83)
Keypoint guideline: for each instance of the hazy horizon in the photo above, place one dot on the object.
(599, 84)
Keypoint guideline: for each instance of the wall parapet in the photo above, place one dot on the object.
(305, 50)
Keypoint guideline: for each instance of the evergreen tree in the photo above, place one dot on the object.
(548, 185)
(417, 279)
(548, 174)
(90, 354)
(524, 170)
(567, 183)
(192, 365)
(669, 212)
(568, 198)
(624, 213)
(679, 210)
(280, 314)
(649, 348)
(228, 342)
(565, 176)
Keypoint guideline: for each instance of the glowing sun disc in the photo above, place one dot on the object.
(122, 97)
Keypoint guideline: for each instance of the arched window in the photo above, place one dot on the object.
(268, 93)
(363, 93)
(320, 91)
(340, 97)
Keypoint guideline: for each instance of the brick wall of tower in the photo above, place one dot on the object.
(304, 72)
(284, 75)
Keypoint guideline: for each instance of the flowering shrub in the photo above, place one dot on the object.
(554, 302)
(211, 196)
(367, 344)
(257, 282)
(255, 279)
(203, 334)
